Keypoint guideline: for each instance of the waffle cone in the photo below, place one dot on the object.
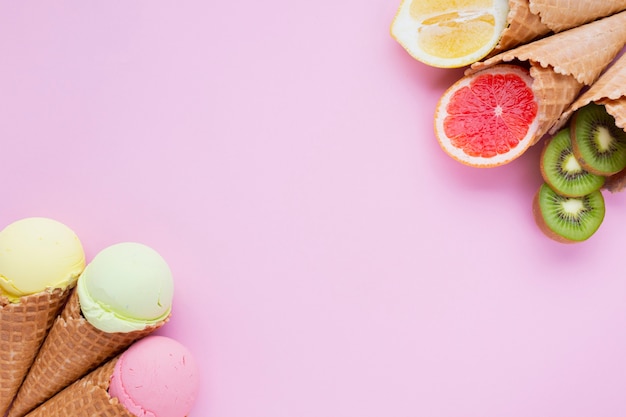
(560, 15)
(609, 90)
(582, 52)
(554, 93)
(532, 19)
(87, 397)
(523, 26)
(23, 328)
(72, 349)
(616, 183)
(558, 67)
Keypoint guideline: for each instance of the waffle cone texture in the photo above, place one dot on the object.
(87, 397)
(523, 26)
(563, 63)
(23, 328)
(609, 90)
(532, 19)
(72, 349)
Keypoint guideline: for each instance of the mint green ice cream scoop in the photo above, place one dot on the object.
(126, 287)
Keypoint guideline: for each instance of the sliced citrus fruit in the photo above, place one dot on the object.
(449, 33)
(488, 118)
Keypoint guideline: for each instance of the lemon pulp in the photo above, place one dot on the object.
(454, 35)
(449, 33)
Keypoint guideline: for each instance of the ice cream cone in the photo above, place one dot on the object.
(523, 27)
(531, 19)
(87, 397)
(72, 349)
(560, 15)
(609, 90)
(582, 52)
(616, 183)
(554, 92)
(156, 376)
(23, 327)
(558, 67)
(617, 109)
(40, 260)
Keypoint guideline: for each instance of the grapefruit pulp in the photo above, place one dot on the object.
(488, 118)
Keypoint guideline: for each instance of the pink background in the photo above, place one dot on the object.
(329, 259)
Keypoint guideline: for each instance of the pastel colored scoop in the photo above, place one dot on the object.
(37, 253)
(156, 377)
(126, 287)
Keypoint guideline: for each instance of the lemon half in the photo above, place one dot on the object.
(449, 33)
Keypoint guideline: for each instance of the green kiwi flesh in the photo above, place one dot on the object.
(562, 171)
(599, 145)
(568, 219)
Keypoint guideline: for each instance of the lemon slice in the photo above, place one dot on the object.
(449, 33)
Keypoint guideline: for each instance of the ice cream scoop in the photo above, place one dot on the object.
(156, 377)
(37, 253)
(126, 287)
(40, 261)
(124, 294)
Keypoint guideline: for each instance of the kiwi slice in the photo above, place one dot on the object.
(568, 219)
(561, 171)
(598, 144)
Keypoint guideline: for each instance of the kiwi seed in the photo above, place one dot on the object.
(568, 219)
(561, 171)
(598, 144)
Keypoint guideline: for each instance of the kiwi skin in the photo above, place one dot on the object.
(543, 225)
(598, 109)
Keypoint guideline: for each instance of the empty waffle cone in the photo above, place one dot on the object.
(582, 52)
(609, 90)
(532, 19)
(23, 328)
(558, 67)
(72, 348)
(560, 15)
(554, 92)
(616, 183)
(87, 397)
(523, 26)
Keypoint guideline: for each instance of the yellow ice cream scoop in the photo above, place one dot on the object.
(37, 253)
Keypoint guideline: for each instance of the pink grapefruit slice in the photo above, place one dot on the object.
(488, 118)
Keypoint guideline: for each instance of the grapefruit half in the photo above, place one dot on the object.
(489, 118)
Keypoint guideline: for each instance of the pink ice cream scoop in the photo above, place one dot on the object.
(156, 377)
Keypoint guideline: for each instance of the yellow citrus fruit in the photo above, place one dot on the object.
(449, 33)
